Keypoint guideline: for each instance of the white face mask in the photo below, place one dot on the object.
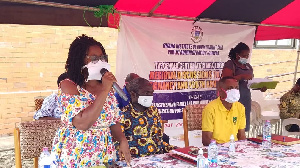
(233, 95)
(243, 60)
(145, 101)
(94, 70)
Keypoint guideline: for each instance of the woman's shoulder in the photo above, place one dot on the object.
(69, 87)
(229, 64)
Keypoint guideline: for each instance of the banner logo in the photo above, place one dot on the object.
(196, 34)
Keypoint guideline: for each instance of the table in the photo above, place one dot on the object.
(251, 155)
(248, 155)
(157, 161)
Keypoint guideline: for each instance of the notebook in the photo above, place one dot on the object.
(283, 140)
(187, 154)
(268, 85)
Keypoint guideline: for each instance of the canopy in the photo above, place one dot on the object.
(276, 19)
(52, 12)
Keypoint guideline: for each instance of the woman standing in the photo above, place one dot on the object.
(239, 68)
(90, 114)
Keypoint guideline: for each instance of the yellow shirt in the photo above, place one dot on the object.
(222, 122)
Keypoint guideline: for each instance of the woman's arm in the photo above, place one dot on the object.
(228, 72)
(117, 133)
(86, 118)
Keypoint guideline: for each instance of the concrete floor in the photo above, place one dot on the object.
(7, 154)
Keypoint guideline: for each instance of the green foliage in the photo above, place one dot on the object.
(104, 10)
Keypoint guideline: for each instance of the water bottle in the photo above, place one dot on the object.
(231, 150)
(200, 159)
(45, 159)
(267, 131)
(213, 154)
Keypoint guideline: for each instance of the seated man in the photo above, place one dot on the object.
(142, 122)
(50, 109)
(122, 102)
(290, 106)
(224, 116)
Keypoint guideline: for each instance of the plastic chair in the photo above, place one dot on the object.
(255, 120)
(192, 120)
(289, 121)
(31, 137)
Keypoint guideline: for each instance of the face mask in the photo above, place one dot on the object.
(233, 95)
(145, 101)
(94, 70)
(243, 60)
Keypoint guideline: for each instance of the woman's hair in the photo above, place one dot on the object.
(237, 49)
(62, 77)
(77, 53)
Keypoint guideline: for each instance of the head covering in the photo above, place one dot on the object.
(298, 82)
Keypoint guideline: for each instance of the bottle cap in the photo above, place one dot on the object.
(200, 151)
(45, 148)
(231, 137)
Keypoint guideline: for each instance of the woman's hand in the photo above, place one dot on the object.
(263, 89)
(107, 81)
(124, 151)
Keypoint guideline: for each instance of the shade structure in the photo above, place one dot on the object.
(52, 12)
(275, 19)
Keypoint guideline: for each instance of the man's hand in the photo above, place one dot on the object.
(124, 151)
(241, 134)
(206, 137)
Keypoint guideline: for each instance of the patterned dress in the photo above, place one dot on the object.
(143, 130)
(290, 108)
(78, 148)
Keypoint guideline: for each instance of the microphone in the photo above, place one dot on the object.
(115, 86)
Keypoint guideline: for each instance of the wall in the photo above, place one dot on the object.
(32, 57)
(272, 62)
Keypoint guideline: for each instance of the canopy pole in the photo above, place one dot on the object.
(155, 7)
(297, 61)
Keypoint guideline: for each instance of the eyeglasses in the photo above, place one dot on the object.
(244, 56)
(95, 58)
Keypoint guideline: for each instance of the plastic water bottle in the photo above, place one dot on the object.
(267, 132)
(200, 159)
(45, 160)
(213, 154)
(231, 150)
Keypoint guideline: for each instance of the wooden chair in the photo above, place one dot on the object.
(192, 120)
(38, 102)
(31, 137)
(289, 121)
(163, 124)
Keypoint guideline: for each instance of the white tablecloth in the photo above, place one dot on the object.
(248, 155)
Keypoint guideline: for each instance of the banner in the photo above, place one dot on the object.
(182, 60)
